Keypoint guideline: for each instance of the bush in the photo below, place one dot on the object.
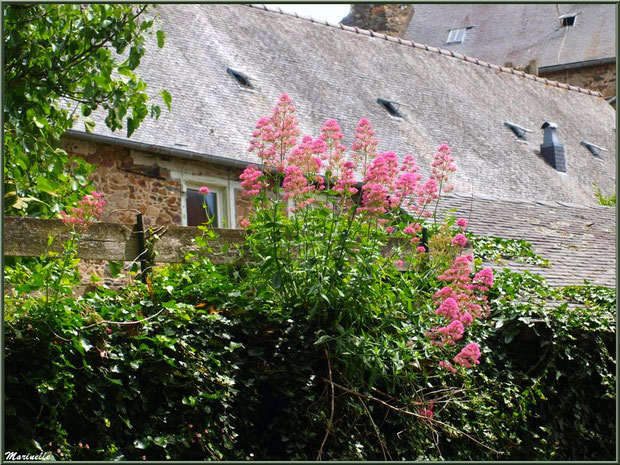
(349, 331)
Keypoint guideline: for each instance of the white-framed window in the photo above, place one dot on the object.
(456, 36)
(220, 202)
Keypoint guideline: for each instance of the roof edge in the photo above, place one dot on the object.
(428, 48)
(157, 149)
(578, 64)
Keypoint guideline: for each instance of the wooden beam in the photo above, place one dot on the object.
(28, 237)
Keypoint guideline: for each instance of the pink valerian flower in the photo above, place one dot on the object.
(462, 223)
(448, 366)
(468, 356)
(398, 263)
(466, 319)
(406, 186)
(449, 308)
(244, 223)
(427, 193)
(346, 181)
(204, 190)
(421, 249)
(331, 135)
(374, 198)
(383, 170)
(88, 210)
(484, 279)
(295, 183)
(275, 135)
(412, 229)
(364, 146)
(447, 335)
(389, 230)
(250, 181)
(459, 240)
(461, 302)
(458, 273)
(427, 412)
(443, 166)
(307, 155)
(444, 293)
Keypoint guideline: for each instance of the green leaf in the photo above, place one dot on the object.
(139, 444)
(84, 343)
(161, 36)
(115, 267)
(131, 126)
(167, 98)
(89, 125)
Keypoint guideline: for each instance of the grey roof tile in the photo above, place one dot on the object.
(518, 33)
(331, 72)
(579, 242)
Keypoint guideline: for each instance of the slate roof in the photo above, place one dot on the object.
(334, 71)
(579, 241)
(518, 33)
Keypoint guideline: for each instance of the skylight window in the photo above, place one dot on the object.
(391, 107)
(457, 36)
(568, 20)
(242, 79)
(518, 131)
(595, 150)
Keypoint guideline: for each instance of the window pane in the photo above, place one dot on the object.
(196, 214)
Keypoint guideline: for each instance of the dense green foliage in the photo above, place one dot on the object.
(61, 60)
(209, 356)
(325, 341)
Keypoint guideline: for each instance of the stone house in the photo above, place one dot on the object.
(226, 65)
(571, 43)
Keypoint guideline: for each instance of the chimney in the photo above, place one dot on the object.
(552, 149)
(386, 18)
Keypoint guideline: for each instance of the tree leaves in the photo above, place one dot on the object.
(161, 36)
(59, 58)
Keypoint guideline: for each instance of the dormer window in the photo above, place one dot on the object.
(457, 36)
(568, 20)
(595, 150)
(242, 79)
(391, 107)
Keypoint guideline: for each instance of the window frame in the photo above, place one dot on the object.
(225, 198)
(454, 34)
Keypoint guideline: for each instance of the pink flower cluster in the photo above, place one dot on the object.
(459, 240)
(427, 411)
(459, 303)
(88, 210)
(365, 145)
(275, 135)
(387, 185)
(442, 166)
(462, 223)
(469, 355)
(250, 181)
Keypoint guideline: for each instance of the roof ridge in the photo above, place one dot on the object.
(429, 48)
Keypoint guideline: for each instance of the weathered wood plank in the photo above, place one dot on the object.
(28, 237)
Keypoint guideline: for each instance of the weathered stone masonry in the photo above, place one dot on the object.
(601, 78)
(134, 181)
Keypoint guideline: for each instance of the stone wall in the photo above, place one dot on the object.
(133, 181)
(601, 78)
(385, 18)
